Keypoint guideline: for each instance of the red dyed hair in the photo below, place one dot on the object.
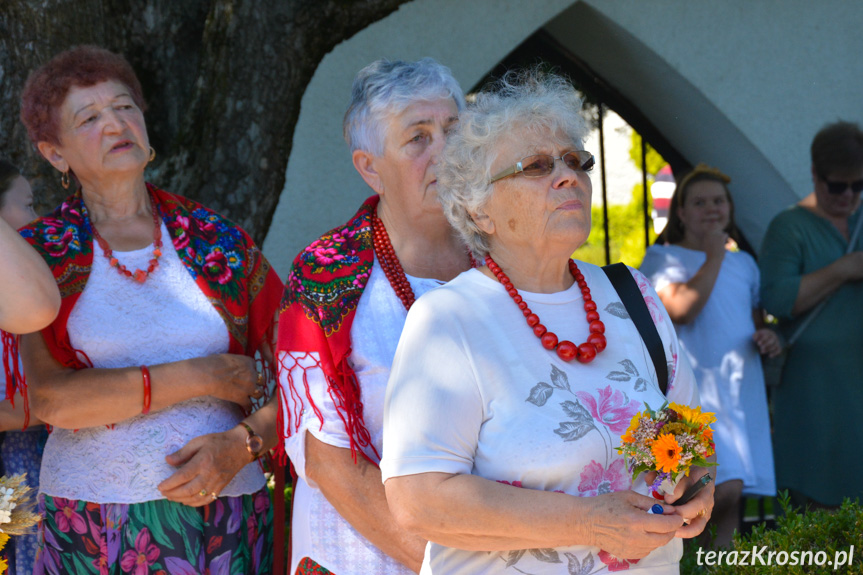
(82, 66)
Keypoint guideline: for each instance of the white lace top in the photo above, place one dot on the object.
(318, 531)
(120, 323)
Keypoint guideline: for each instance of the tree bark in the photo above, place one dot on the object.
(223, 80)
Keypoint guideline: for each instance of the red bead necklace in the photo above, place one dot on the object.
(390, 262)
(391, 265)
(139, 276)
(566, 350)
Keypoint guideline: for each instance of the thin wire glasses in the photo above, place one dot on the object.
(543, 164)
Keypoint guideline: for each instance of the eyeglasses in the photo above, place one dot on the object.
(840, 187)
(543, 164)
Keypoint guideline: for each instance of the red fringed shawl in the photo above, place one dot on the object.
(222, 259)
(320, 301)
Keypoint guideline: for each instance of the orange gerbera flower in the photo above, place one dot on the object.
(667, 452)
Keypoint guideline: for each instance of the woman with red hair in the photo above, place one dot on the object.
(148, 375)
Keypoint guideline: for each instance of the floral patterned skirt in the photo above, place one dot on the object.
(230, 536)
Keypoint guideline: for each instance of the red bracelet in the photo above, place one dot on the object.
(146, 373)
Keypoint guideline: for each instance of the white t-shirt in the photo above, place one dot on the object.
(317, 529)
(118, 322)
(472, 391)
(726, 362)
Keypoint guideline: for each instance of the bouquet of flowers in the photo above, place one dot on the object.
(16, 510)
(669, 441)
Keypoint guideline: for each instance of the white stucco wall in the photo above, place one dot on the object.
(739, 84)
(778, 70)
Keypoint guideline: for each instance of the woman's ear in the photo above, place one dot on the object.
(51, 153)
(483, 222)
(366, 164)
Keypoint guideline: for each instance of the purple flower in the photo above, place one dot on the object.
(141, 557)
(262, 502)
(236, 518)
(67, 517)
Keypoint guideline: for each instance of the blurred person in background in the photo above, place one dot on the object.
(710, 289)
(29, 299)
(812, 265)
(20, 447)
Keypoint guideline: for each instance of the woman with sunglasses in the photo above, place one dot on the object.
(503, 411)
(710, 290)
(812, 265)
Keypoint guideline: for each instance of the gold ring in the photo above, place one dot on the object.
(259, 393)
(260, 378)
(213, 496)
(202, 492)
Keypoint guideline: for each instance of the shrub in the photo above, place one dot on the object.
(820, 535)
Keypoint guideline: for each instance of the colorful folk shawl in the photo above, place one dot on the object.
(320, 301)
(222, 259)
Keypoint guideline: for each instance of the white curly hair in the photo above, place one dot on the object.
(518, 105)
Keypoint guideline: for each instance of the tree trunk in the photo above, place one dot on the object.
(223, 80)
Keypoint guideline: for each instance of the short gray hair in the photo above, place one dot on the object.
(387, 87)
(521, 102)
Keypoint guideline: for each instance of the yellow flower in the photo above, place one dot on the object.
(667, 452)
(693, 415)
(633, 425)
(3, 539)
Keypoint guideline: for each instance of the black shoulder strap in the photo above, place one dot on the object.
(633, 301)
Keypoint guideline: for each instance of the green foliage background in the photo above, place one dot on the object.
(625, 222)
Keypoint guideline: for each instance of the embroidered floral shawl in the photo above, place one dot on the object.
(222, 259)
(318, 309)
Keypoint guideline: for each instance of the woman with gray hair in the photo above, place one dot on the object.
(346, 302)
(500, 432)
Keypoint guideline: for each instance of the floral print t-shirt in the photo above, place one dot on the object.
(472, 391)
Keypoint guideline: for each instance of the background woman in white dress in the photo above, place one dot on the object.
(710, 290)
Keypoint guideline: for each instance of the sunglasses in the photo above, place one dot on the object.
(543, 164)
(840, 187)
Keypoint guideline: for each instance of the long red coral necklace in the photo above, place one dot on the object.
(566, 350)
(391, 265)
(390, 262)
(138, 275)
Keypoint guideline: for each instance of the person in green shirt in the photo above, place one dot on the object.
(812, 258)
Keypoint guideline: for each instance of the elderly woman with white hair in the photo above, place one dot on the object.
(347, 298)
(499, 431)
